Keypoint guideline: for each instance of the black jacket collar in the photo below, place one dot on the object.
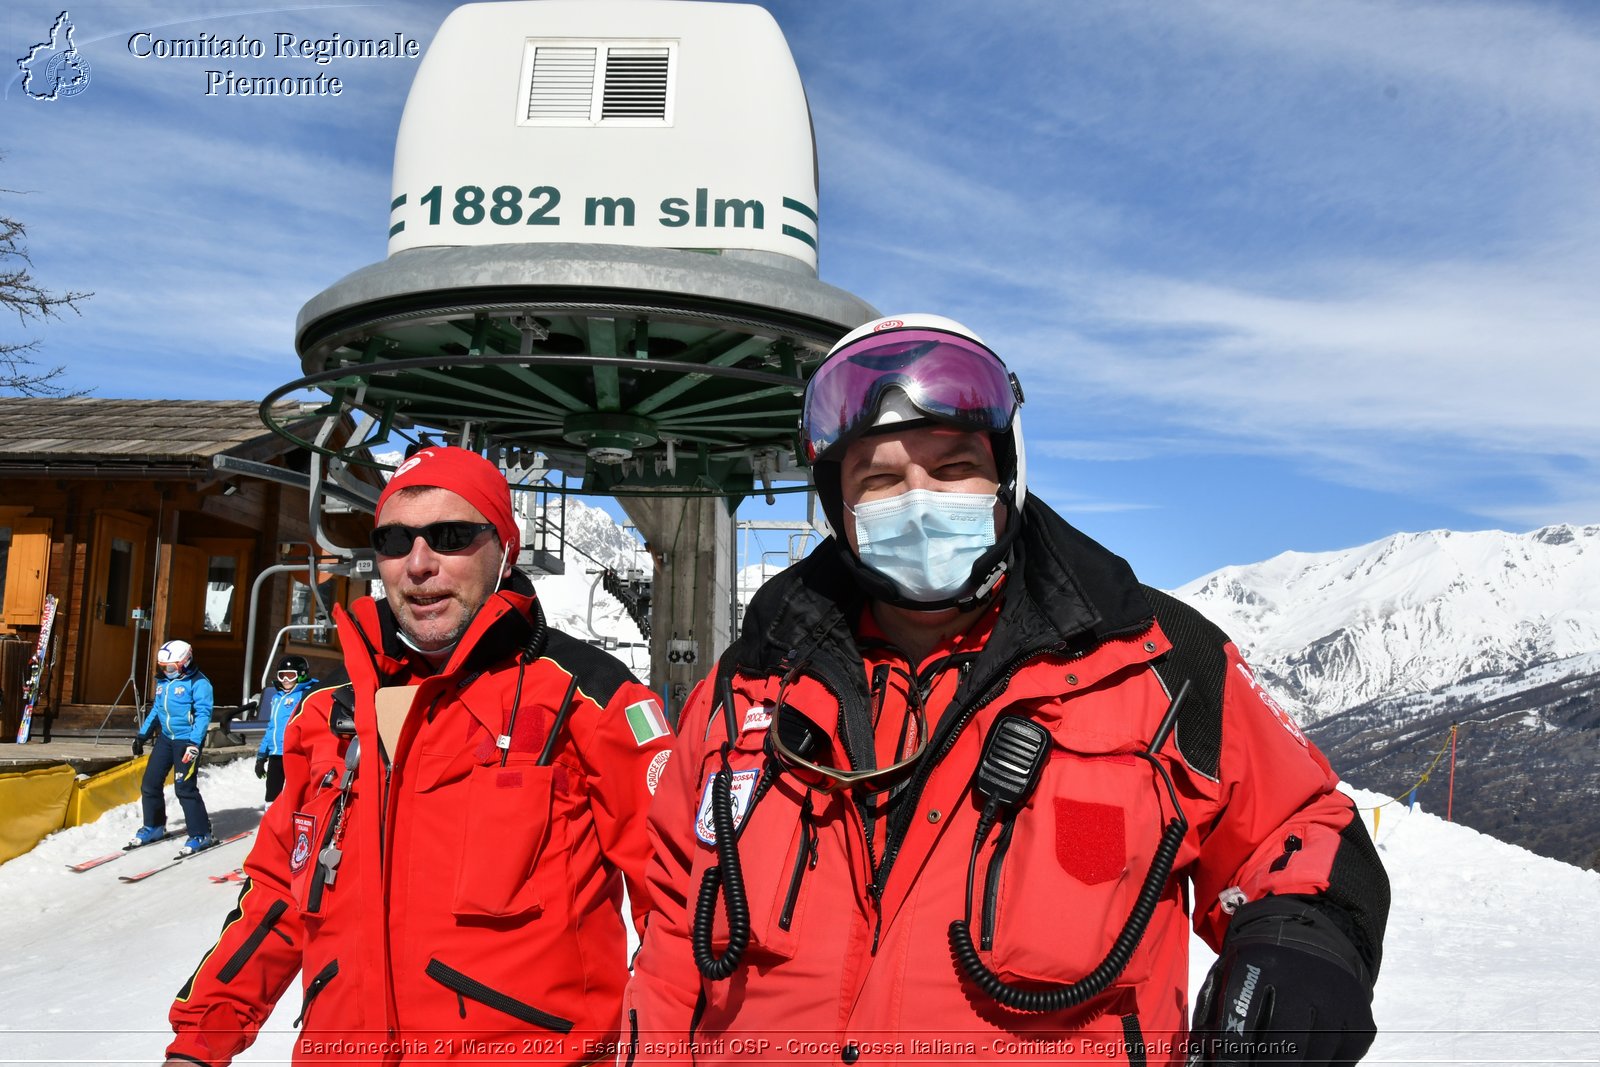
(1064, 589)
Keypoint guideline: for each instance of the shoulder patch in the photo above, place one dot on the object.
(658, 767)
(647, 721)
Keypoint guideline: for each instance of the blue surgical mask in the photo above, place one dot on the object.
(925, 542)
(171, 672)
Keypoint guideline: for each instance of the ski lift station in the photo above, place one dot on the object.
(601, 270)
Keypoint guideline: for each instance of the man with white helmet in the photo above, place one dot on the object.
(175, 729)
(956, 788)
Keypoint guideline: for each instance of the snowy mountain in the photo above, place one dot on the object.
(1409, 614)
(593, 536)
(1481, 646)
(575, 601)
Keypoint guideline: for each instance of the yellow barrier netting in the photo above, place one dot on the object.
(93, 797)
(35, 804)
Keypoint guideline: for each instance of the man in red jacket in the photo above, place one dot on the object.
(445, 864)
(958, 786)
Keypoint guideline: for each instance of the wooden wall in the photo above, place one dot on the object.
(264, 515)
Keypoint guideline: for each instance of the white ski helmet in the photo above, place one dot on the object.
(175, 653)
(906, 370)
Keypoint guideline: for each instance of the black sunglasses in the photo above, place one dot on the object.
(396, 540)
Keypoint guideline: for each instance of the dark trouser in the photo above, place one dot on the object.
(274, 777)
(164, 755)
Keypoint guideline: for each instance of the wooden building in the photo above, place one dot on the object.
(118, 509)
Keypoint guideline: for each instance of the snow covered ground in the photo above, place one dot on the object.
(1491, 955)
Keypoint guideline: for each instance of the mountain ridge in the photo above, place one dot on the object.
(1486, 642)
(1409, 613)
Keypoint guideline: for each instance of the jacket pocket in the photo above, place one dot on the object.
(1073, 865)
(311, 830)
(777, 864)
(466, 988)
(315, 988)
(241, 956)
(507, 815)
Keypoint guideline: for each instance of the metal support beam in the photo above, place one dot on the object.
(691, 542)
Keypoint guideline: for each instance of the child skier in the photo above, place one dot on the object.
(279, 705)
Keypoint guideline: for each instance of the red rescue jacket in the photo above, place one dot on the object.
(475, 910)
(849, 957)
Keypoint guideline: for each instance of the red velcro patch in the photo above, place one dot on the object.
(1090, 842)
(527, 734)
(508, 780)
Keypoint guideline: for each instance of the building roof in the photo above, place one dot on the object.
(77, 430)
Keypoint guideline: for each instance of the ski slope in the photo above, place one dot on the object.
(1491, 956)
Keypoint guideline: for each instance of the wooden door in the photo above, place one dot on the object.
(118, 585)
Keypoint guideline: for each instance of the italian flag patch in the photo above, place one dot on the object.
(646, 721)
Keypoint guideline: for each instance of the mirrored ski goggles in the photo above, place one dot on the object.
(798, 745)
(956, 381)
(288, 676)
(393, 539)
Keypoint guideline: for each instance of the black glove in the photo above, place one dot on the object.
(138, 746)
(261, 766)
(1289, 987)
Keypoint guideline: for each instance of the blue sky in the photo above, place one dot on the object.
(1275, 276)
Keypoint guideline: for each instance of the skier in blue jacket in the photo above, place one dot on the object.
(280, 704)
(175, 729)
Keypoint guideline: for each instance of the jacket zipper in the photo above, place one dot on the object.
(925, 769)
(236, 962)
(320, 874)
(633, 1037)
(463, 986)
(1291, 845)
(1133, 1040)
(991, 884)
(805, 859)
(865, 824)
(878, 691)
(318, 984)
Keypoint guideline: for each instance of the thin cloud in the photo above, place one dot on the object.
(1348, 234)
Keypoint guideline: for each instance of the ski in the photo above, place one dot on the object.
(235, 875)
(180, 857)
(35, 679)
(89, 865)
(92, 864)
